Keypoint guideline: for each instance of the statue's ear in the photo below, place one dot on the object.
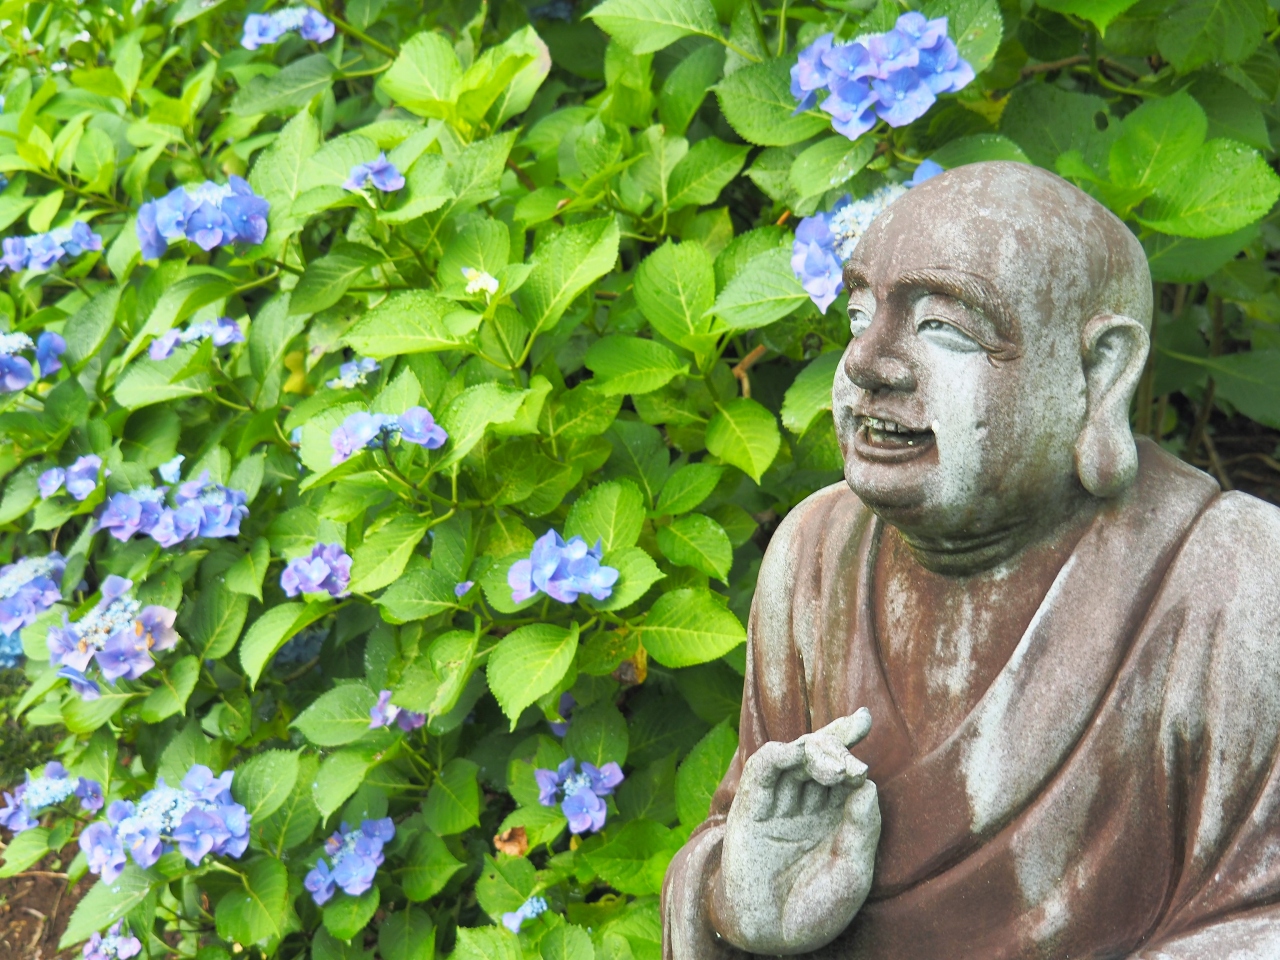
(1114, 352)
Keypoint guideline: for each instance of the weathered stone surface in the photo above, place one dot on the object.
(1068, 642)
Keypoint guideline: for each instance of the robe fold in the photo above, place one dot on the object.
(1115, 792)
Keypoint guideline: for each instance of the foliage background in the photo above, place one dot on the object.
(650, 373)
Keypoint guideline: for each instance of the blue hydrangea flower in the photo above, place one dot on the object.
(208, 214)
(354, 858)
(460, 590)
(11, 652)
(23, 807)
(220, 509)
(119, 633)
(171, 470)
(222, 332)
(579, 794)
(561, 570)
(384, 713)
(41, 251)
(361, 430)
(114, 946)
(326, 570)
(198, 818)
(80, 479)
(28, 588)
(531, 909)
(565, 709)
(354, 373)
(261, 29)
(16, 372)
(927, 170)
(49, 347)
(382, 172)
(137, 511)
(894, 76)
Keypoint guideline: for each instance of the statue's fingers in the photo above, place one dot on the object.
(762, 771)
(813, 797)
(786, 797)
(830, 763)
(848, 730)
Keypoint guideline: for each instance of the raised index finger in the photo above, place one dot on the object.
(848, 730)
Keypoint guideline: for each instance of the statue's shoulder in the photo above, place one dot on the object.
(1236, 543)
(832, 512)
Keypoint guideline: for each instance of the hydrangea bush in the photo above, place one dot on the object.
(396, 400)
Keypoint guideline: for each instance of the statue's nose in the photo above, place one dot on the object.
(874, 360)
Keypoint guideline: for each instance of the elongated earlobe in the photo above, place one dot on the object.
(1115, 351)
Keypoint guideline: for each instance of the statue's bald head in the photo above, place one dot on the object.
(1051, 250)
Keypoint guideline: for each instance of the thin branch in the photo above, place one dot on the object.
(525, 180)
(1033, 69)
(745, 364)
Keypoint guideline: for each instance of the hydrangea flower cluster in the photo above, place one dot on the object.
(354, 857)
(119, 633)
(201, 508)
(40, 251)
(264, 28)
(529, 910)
(80, 479)
(28, 588)
(326, 570)
(199, 818)
(826, 240)
(222, 332)
(15, 370)
(114, 946)
(561, 570)
(23, 807)
(480, 282)
(384, 713)
(208, 214)
(353, 373)
(361, 430)
(580, 794)
(382, 172)
(895, 76)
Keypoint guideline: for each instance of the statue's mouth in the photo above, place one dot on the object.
(890, 441)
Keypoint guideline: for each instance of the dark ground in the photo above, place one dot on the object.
(34, 909)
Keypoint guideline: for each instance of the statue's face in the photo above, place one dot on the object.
(961, 394)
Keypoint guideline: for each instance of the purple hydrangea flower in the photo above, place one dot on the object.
(176, 525)
(15, 253)
(29, 587)
(222, 332)
(384, 712)
(220, 509)
(82, 476)
(315, 26)
(903, 97)
(261, 29)
(361, 430)
(460, 590)
(580, 794)
(326, 570)
(810, 73)
(561, 570)
(15, 374)
(354, 373)
(565, 709)
(927, 170)
(382, 172)
(42, 250)
(49, 347)
(418, 426)
(171, 470)
(208, 214)
(137, 511)
(103, 850)
(114, 946)
(531, 909)
(354, 858)
(33, 797)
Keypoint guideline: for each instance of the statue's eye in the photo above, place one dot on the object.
(859, 320)
(947, 335)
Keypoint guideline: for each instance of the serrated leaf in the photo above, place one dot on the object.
(472, 412)
(1155, 138)
(170, 697)
(339, 716)
(704, 171)
(294, 86)
(453, 802)
(345, 915)
(1195, 32)
(765, 291)
(675, 286)
(1223, 187)
(246, 575)
(385, 552)
(829, 163)
(271, 631)
(408, 321)
(105, 903)
(425, 76)
(612, 513)
(636, 574)
(690, 626)
(407, 935)
(688, 487)
(631, 365)
(340, 775)
(757, 102)
(746, 435)
(810, 393)
(265, 781)
(564, 266)
(256, 911)
(418, 594)
(635, 859)
(643, 26)
(528, 663)
(698, 541)
(976, 26)
(427, 867)
(701, 772)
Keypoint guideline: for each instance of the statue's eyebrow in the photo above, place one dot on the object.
(969, 289)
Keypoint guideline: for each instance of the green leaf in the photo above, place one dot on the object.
(528, 663)
(611, 512)
(635, 859)
(170, 697)
(625, 365)
(86, 329)
(564, 266)
(453, 802)
(505, 885)
(1223, 187)
(810, 393)
(257, 911)
(567, 942)
(345, 915)
(1248, 382)
(427, 867)
(339, 716)
(472, 412)
(425, 76)
(690, 626)
(426, 189)
(702, 771)
(147, 381)
(246, 575)
(636, 574)
(688, 487)
(1195, 32)
(757, 102)
(271, 631)
(1232, 113)
(265, 781)
(420, 593)
(408, 321)
(643, 26)
(675, 286)
(975, 25)
(294, 86)
(1184, 260)
(24, 849)
(381, 558)
(486, 943)
(106, 903)
(698, 541)
(85, 716)
(744, 434)
(340, 775)
(765, 291)
(327, 278)
(1046, 121)
(1155, 138)
(977, 148)
(598, 734)
(407, 935)
(829, 163)
(704, 171)
(217, 620)
(686, 87)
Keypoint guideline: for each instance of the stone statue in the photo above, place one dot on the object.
(1057, 650)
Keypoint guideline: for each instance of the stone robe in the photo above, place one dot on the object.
(1115, 793)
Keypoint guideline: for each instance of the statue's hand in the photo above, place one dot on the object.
(799, 843)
